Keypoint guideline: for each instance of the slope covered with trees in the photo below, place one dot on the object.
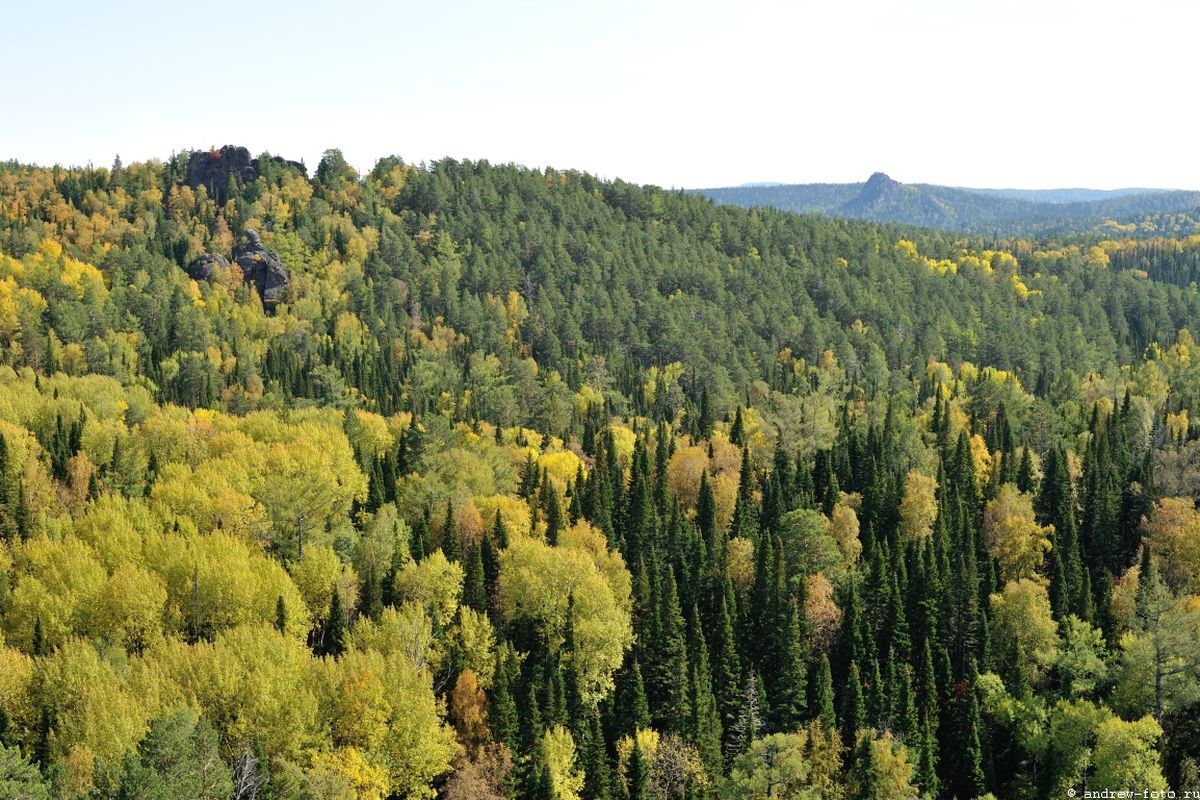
(525, 484)
(987, 211)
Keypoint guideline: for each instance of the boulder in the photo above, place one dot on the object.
(262, 268)
(206, 266)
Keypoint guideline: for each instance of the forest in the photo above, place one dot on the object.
(471, 481)
(996, 212)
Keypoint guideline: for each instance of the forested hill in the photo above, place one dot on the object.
(479, 482)
(986, 211)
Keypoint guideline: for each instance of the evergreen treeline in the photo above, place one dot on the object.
(539, 486)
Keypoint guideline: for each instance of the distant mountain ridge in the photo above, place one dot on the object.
(1025, 211)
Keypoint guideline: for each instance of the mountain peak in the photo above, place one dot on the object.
(879, 180)
(878, 189)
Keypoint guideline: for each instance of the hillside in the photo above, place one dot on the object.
(478, 482)
(987, 211)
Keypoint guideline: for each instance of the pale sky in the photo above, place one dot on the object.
(1021, 93)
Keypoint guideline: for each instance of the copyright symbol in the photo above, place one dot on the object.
(1070, 792)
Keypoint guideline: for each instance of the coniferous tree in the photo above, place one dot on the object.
(790, 707)
(333, 640)
(631, 711)
(823, 704)
(737, 428)
(370, 601)
(968, 779)
(503, 717)
(421, 546)
(637, 775)
(727, 680)
(280, 615)
(597, 779)
(668, 665)
(704, 730)
(854, 707)
(475, 591)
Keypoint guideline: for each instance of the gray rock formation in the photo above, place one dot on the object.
(205, 266)
(213, 169)
(262, 268)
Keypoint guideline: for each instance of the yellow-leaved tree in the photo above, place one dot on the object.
(1012, 534)
(918, 507)
(540, 583)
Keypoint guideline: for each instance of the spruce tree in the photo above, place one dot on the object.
(420, 545)
(822, 694)
(503, 717)
(637, 774)
(334, 640)
(668, 666)
(727, 682)
(790, 706)
(854, 707)
(37, 644)
(280, 615)
(475, 592)
(704, 730)
(969, 778)
(370, 601)
(631, 711)
(596, 777)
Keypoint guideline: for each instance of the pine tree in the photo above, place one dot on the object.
(387, 589)
(866, 777)
(744, 522)
(8, 524)
(452, 544)
(877, 703)
(904, 709)
(927, 776)
(1025, 472)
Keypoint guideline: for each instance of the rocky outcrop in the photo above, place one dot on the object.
(213, 169)
(206, 266)
(262, 268)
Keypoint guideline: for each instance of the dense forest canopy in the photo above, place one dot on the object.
(472, 481)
